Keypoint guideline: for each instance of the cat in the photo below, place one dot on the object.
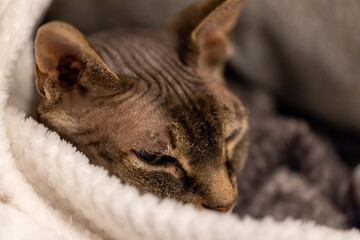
(150, 105)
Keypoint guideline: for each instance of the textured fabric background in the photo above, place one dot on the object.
(292, 171)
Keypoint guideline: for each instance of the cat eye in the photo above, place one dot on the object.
(233, 135)
(154, 157)
(148, 157)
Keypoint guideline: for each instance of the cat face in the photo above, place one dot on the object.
(148, 105)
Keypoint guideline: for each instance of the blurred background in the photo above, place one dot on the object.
(96, 15)
(299, 58)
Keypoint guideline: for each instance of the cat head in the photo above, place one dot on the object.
(150, 105)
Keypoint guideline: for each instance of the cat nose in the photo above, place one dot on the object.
(225, 208)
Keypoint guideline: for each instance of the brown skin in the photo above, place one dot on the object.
(156, 91)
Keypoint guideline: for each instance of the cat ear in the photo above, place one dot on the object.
(64, 57)
(203, 33)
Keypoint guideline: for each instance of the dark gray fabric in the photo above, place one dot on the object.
(291, 171)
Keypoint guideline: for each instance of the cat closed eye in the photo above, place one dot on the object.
(153, 157)
(233, 135)
(148, 157)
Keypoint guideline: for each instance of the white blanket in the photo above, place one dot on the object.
(48, 190)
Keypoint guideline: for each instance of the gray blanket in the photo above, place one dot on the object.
(292, 171)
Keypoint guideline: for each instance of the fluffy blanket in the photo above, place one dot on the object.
(48, 190)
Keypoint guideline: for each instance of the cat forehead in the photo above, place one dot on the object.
(151, 58)
(140, 53)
